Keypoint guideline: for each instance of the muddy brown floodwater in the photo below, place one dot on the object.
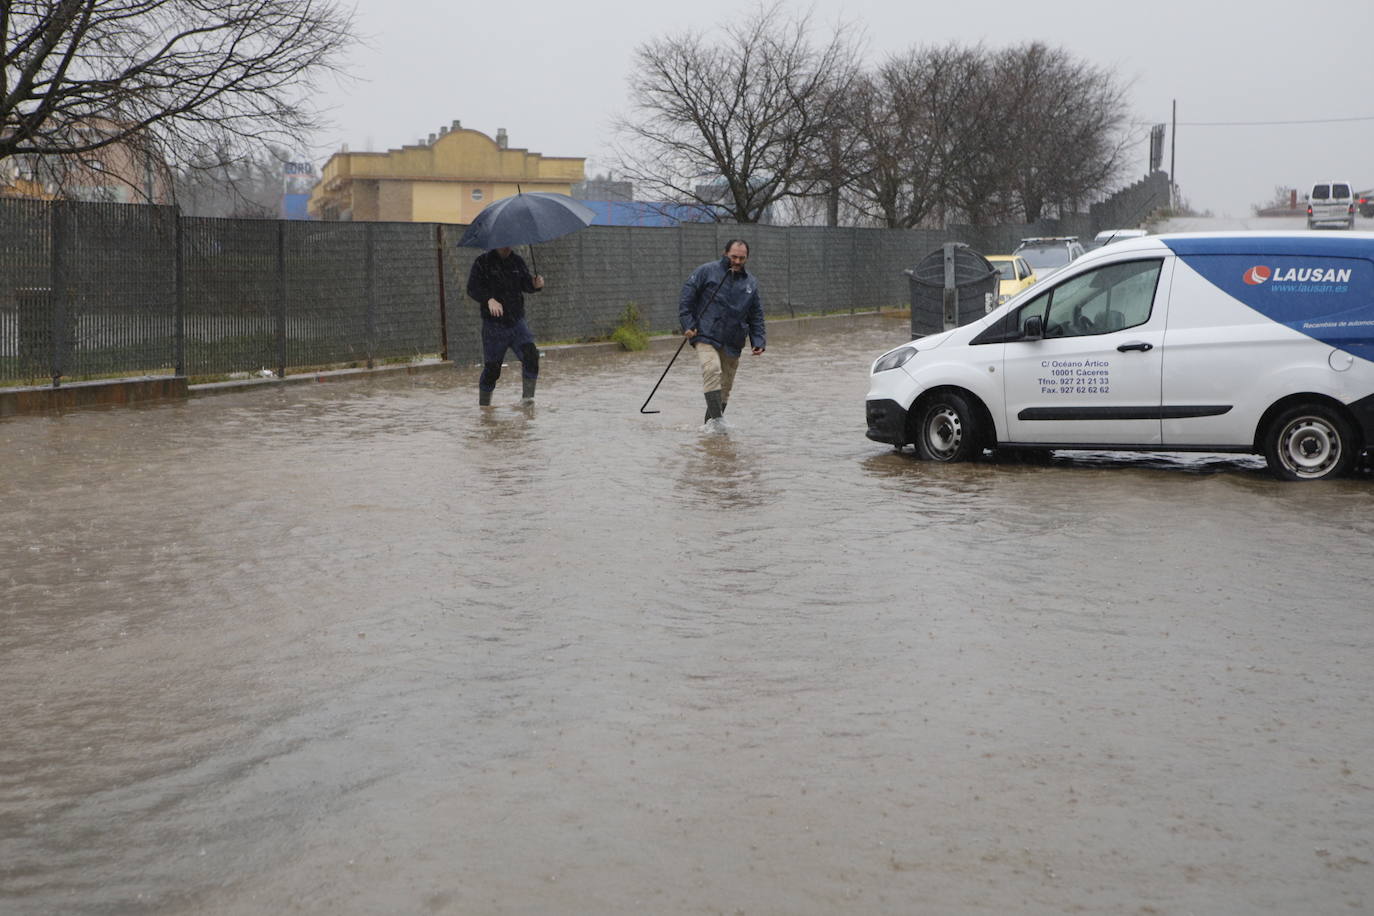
(363, 648)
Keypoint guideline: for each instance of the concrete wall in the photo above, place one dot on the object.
(91, 394)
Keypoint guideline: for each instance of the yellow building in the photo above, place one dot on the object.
(449, 179)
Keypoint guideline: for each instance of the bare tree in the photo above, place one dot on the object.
(179, 83)
(242, 188)
(1065, 125)
(967, 133)
(915, 115)
(737, 122)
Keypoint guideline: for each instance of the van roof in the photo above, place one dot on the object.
(1259, 243)
(1345, 245)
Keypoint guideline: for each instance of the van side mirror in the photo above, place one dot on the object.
(1034, 328)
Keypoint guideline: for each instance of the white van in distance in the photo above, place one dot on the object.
(1258, 342)
(1331, 203)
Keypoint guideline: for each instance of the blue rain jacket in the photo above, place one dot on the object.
(723, 318)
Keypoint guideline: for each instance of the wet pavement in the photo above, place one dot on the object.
(365, 648)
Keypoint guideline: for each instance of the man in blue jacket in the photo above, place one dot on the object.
(718, 308)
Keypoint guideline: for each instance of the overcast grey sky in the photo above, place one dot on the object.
(554, 73)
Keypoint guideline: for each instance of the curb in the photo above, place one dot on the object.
(144, 389)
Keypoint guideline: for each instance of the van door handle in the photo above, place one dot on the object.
(1140, 345)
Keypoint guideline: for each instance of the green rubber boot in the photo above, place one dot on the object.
(713, 405)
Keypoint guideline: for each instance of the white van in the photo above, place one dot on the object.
(1256, 342)
(1331, 203)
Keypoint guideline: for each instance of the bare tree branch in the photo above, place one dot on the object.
(1068, 130)
(733, 123)
(188, 81)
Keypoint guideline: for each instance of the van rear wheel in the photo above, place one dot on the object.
(947, 429)
(1309, 442)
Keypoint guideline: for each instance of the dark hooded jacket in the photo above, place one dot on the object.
(504, 279)
(724, 307)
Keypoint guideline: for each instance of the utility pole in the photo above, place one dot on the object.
(1173, 142)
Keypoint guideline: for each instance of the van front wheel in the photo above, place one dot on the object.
(947, 429)
(1309, 442)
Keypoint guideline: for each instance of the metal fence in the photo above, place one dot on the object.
(99, 290)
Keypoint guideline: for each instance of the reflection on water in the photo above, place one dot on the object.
(723, 472)
(366, 647)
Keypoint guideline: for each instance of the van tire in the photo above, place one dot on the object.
(1309, 442)
(947, 429)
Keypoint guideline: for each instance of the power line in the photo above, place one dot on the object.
(1269, 123)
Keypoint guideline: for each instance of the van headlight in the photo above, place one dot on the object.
(898, 357)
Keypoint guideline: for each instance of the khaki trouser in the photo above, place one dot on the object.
(717, 370)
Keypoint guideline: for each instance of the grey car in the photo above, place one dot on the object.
(1048, 254)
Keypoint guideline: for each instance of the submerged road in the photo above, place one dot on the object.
(363, 648)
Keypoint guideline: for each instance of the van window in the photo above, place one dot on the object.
(1111, 298)
(1340, 191)
(1321, 192)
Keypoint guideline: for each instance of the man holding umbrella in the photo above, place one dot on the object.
(498, 281)
(499, 278)
(719, 305)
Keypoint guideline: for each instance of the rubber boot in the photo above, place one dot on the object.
(483, 397)
(713, 408)
(527, 389)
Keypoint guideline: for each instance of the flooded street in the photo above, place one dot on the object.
(363, 648)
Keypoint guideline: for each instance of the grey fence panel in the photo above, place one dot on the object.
(124, 259)
(700, 243)
(875, 276)
(329, 277)
(233, 295)
(107, 305)
(461, 319)
(589, 282)
(658, 275)
(806, 274)
(26, 332)
(562, 310)
(768, 261)
(405, 288)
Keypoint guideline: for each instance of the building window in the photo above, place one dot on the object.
(476, 193)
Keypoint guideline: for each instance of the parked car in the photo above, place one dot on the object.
(1331, 203)
(1014, 274)
(1206, 342)
(1049, 254)
(1365, 203)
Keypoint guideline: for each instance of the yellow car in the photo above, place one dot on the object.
(1015, 273)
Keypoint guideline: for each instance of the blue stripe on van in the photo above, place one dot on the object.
(1320, 286)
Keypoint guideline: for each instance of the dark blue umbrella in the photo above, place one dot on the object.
(526, 219)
